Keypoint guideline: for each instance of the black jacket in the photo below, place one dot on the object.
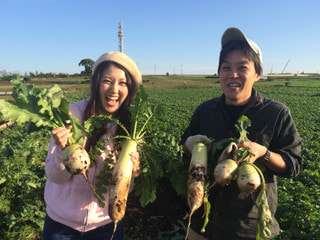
(271, 126)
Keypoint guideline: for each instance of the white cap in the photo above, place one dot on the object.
(234, 34)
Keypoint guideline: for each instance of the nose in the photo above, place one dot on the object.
(114, 87)
(234, 74)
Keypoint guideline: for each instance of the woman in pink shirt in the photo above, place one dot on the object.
(73, 211)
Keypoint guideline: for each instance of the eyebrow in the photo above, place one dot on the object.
(241, 62)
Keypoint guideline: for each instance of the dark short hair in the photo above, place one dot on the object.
(247, 51)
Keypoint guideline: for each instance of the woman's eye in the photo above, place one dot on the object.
(226, 68)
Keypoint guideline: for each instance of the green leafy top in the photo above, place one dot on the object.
(242, 124)
(46, 107)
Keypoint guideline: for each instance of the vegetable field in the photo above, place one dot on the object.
(23, 151)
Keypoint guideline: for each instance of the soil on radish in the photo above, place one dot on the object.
(161, 216)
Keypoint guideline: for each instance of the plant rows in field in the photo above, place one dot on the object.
(23, 151)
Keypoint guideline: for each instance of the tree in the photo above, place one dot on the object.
(88, 64)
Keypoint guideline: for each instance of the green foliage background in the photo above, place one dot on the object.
(23, 151)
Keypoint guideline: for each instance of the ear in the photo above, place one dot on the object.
(258, 77)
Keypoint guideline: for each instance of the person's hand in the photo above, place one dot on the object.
(61, 135)
(257, 149)
(136, 170)
(192, 140)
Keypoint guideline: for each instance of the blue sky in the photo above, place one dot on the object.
(172, 36)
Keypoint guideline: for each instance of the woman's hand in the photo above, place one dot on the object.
(136, 170)
(61, 135)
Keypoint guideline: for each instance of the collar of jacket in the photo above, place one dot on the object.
(255, 98)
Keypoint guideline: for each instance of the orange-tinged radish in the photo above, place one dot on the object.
(225, 171)
(120, 183)
(196, 179)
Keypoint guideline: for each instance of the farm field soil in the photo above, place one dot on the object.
(157, 218)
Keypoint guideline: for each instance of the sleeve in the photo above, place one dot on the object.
(54, 167)
(288, 145)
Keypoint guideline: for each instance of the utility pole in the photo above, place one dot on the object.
(120, 35)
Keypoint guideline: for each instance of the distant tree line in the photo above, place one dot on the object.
(87, 63)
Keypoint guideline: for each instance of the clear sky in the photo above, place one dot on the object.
(174, 36)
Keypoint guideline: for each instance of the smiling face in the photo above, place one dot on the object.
(113, 89)
(237, 76)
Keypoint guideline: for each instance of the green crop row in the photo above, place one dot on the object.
(23, 151)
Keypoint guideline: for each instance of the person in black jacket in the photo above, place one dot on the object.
(273, 136)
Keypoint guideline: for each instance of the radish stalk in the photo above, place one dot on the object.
(264, 213)
(196, 179)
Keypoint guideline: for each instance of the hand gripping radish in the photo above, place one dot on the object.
(196, 179)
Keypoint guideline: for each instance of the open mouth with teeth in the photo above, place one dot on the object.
(112, 101)
(234, 85)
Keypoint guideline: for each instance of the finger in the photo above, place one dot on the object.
(56, 130)
(61, 135)
(241, 144)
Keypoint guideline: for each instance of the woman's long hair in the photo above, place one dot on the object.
(94, 106)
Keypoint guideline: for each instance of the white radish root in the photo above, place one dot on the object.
(225, 171)
(248, 180)
(120, 183)
(77, 161)
(196, 179)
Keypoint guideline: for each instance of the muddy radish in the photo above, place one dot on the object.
(225, 171)
(196, 179)
(248, 180)
(120, 184)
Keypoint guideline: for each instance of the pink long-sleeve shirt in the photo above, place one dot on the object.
(69, 198)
